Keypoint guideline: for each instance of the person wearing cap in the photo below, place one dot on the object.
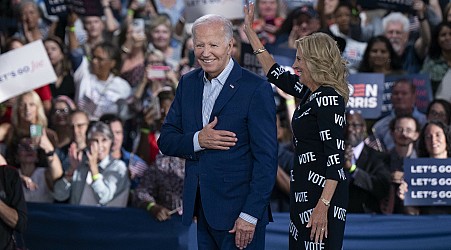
(300, 22)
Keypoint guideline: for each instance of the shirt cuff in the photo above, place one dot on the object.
(196, 144)
(249, 218)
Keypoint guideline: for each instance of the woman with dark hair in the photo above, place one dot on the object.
(434, 142)
(59, 119)
(95, 177)
(56, 50)
(439, 109)
(98, 89)
(380, 57)
(438, 61)
(133, 44)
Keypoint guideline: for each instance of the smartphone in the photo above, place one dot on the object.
(138, 26)
(35, 130)
(157, 72)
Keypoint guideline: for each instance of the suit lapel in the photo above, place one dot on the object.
(198, 95)
(228, 90)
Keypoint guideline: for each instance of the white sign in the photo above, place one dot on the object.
(231, 9)
(24, 69)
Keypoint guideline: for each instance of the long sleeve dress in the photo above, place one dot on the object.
(318, 129)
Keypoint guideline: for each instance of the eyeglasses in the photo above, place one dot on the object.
(400, 130)
(62, 111)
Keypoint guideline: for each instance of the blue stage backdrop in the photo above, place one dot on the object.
(58, 226)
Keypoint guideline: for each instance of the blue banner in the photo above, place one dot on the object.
(429, 182)
(59, 226)
(365, 94)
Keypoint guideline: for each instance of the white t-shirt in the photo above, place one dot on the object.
(97, 97)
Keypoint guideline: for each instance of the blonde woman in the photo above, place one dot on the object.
(318, 188)
(28, 110)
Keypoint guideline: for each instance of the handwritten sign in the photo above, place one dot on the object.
(429, 182)
(24, 69)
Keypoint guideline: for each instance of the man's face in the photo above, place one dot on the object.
(118, 133)
(79, 123)
(405, 132)
(211, 49)
(94, 26)
(355, 129)
(397, 36)
(305, 25)
(402, 98)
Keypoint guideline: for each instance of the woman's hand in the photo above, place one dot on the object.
(44, 142)
(28, 182)
(248, 17)
(71, 19)
(93, 157)
(160, 213)
(318, 222)
(402, 190)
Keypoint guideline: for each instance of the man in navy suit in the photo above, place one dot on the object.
(223, 122)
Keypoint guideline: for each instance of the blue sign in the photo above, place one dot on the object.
(429, 182)
(365, 94)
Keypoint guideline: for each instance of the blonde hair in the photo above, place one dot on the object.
(323, 59)
(41, 117)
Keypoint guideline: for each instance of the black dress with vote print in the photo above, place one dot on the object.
(318, 129)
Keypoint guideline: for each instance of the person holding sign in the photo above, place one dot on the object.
(434, 142)
(319, 192)
(223, 122)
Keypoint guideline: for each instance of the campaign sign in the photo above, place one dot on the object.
(56, 7)
(283, 56)
(86, 7)
(249, 60)
(24, 69)
(231, 9)
(429, 182)
(394, 5)
(422, 83)
(365, 94)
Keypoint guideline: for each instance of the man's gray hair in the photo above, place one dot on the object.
(213, 18)
(396, 17)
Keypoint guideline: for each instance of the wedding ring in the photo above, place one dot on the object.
(322, 229)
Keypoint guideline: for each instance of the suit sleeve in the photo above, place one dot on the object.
(263, 144)
(173, 140)
(376, 179)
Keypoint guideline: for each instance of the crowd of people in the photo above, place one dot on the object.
(90, 137)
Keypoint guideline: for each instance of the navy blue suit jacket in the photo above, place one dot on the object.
(231, 181)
